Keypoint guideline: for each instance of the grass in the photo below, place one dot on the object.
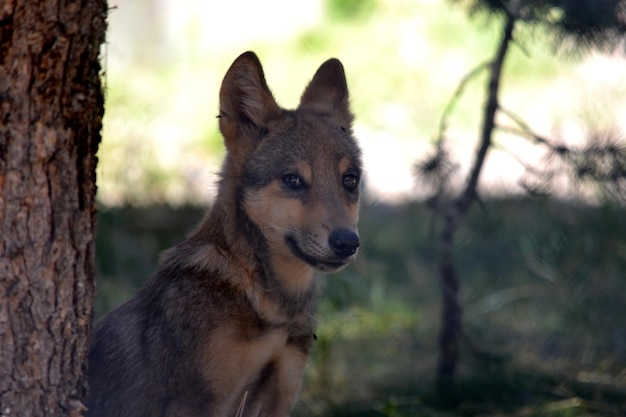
(543, 289)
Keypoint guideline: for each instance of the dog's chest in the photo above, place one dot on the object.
(233, 364)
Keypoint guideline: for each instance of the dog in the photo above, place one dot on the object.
(225, 325)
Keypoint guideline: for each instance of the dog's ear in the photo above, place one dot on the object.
(246, 103)
(328, 92)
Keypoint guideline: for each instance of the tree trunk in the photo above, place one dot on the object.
(51, 108)
(451, 312)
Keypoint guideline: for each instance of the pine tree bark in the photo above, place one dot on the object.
(51, 108)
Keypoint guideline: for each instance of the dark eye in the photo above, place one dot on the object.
(292, 181)
(350, 181)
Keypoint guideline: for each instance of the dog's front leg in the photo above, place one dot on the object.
(277, 391)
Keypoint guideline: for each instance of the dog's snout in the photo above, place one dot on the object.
(344, 242)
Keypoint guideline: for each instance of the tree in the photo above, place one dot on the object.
(576, 26)
(51, 108)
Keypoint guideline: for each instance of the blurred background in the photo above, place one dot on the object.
(541, 260)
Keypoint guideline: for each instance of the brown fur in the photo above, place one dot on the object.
(227, 320)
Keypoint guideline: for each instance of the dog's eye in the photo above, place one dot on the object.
(293, 181)
(350, 181)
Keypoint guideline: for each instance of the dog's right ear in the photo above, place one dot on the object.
(246, 103)
(328, 92)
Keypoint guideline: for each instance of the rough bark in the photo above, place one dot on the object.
(51, 108)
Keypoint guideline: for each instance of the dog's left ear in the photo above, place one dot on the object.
(328, 92)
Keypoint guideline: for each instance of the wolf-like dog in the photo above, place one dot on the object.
(225, 325)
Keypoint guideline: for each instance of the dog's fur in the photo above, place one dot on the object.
(225, 325)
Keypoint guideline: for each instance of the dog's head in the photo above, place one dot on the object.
(298, 172)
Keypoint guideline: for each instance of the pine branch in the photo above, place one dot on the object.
(525, 130)
(443, 124)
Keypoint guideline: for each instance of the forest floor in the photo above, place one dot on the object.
(543, 288)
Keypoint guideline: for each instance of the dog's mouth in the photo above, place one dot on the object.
(325, 265)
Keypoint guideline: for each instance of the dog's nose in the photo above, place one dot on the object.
(344, 242)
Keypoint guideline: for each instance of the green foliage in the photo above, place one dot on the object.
(313, 40)
(347, 10)
(403, 60)
(128, 243)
